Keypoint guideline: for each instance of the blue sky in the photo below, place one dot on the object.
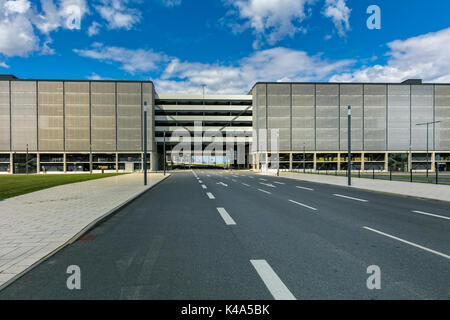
(227, 45)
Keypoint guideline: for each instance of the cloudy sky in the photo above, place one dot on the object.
(228, 45)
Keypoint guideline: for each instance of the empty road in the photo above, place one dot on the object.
(211, 234)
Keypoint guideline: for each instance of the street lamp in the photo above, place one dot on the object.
(349, 145)
(145, 143)
(428, 125)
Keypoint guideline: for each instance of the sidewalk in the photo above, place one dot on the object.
(35, 225)
(410, 189)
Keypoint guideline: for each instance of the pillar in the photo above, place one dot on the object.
(65, 162)
(339, 161)
(363, 161)
(433, 161)
(11, 163)
(38, 163)
(315, 161)
(117, 162)
(290, 161)
(386, 161)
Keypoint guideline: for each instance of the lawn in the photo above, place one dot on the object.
(16, 185)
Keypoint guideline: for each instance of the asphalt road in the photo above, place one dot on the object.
(236, 235)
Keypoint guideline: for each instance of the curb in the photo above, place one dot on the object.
(77, 236)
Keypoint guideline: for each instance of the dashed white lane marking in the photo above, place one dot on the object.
(234, 180)
(303, 205)
(273, 283)
(210, 195)
(251, 177)
(208, 175)
(282, 183)
(226, 217)
(262, 179)
(223, 184)
(408, 242)
(247, 185)
(234, 176)
(305, 188)
(200, 181)
(268, 185)
(351, 198)
(265, 191)
(432, 215)
(204, 187)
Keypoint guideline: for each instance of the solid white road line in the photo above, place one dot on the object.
(226, 217)
(282, 183)
(304, 188)
(432, 215)
(247, 185)
(408, 242)
(351, 198)
(265, 191)
(273, 283)
(210, 195)
(204, 187)
(303, 205)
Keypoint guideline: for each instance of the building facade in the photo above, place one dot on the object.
(312, 123)
(90, 126)
(74, 126)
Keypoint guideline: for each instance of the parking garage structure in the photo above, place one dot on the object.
(67, 126)
(313, 126)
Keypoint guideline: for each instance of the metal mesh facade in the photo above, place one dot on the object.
(72, 116)
(51, 115)
(4, 116)
(384, 116)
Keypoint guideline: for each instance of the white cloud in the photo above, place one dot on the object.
(17, 36)
(118, 14)
(94, 29)
(130, 60)
(425, 57)
(277, 64)
(339, 13)
(4, 65)
(272, 19)
(170, 3)
(19, 18)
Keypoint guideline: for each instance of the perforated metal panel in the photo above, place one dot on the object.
(77, 113)
(147, 90)
(303, 117)
(129, 116)
(351, 95)
(50, 112)
(279, 113)
(442, 109)
(103, 116)
(421, 111)
(399, 121)
(4, 116)
(24, 115)
(327, 117)
(374, 117)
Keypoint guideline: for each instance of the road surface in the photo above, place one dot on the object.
(211, 234)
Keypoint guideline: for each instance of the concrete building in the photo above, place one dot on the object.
(89, 126)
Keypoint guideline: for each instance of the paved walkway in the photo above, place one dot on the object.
(411, 189)
(34, 225)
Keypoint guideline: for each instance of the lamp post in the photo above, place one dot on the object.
(349, 145)
(428, 126)
(145, 143)
(164, 146)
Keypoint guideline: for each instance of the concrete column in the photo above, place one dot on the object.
(11, 163)
(65, 162)
(363, 161)
(91, 167)
(409, 161)
(142, 162)
(386, 162)
(257, 162)
(433, 161)
(38, 163)
(290, 161)
(154, 161)
(339, 161)
(315, 161)
(117, 162)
